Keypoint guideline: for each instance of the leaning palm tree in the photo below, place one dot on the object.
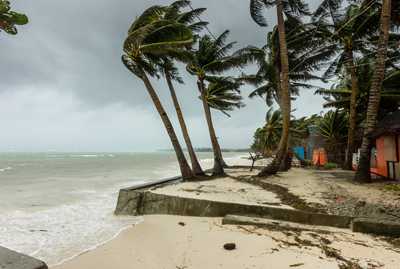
(306, 55)
(152, 36)
(211, 56)
(171, 72)
(223, 94)
(9, 19)
(290, 9)
(332, 127)
(363, 171)
(272, 130)
(306, 50)
(348, 33)
(339, 95)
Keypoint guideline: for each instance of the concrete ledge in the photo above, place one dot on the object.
(13, 260)
(130, 198)
(377, 227)
(143, 202)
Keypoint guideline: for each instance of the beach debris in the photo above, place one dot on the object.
(181, 223)
(230, 246)
(297, 264)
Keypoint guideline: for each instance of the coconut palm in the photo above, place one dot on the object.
(223, 94)
(210, 57)
(333, 128)
(267, 137)
(151, 36)
(339, 96)
(288, 9)
(348, 33)
(9, 19)
(305, 57)
(363, 171)
(171, 73)
(307, 51)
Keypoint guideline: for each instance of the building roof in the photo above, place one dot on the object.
(388, 125)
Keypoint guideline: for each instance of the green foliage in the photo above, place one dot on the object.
(155, 35)
(266, 138)
(333, 129)
(9, 19)
(330, 166)
(305, 58)
(223, 94)
(392, 187)
(291, 9)
(210, 58)
(339, 95)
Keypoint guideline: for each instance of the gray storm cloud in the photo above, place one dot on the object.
(64, 88)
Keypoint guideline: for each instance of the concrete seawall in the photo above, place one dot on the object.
(146, 200)
(13, 260)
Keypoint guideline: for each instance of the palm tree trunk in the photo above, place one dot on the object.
(183, 164)
(353, 111)
(195, 163)
(364, 166)
(218, 169)
(285, 102)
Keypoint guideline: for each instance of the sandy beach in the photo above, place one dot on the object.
(185, 242)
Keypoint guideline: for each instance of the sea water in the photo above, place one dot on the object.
(54, 206)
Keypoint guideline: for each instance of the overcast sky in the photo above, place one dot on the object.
(63, 87)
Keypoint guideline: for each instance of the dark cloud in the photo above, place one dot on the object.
(73, 48)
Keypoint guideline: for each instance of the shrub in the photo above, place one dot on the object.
(331, 166)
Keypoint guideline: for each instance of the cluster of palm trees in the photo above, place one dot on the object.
(355, 43)
(164, 35)
(9, 19)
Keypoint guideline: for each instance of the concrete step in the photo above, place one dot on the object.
(13, 260)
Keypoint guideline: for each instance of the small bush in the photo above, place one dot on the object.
(331, 166)
(392, 187)
(308, 163)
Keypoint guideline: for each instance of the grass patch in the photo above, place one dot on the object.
(392, 187)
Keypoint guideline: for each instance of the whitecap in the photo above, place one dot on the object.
(6, 169)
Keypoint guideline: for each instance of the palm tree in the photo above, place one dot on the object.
(268, 136)
(171, 73)
(307, 51)
(339, 96)
(363, 171)
(223, 94)
(208, 58)
(305, 57)
(151, 36)
(333, 128)
(9, 19)
(348, 33)
(290, 9)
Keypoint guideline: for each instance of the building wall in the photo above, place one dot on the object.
(386, 152)
(398, 164)
(381, 165)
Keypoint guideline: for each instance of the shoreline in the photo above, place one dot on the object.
(60, 233)
(162, 241)
(128, 226)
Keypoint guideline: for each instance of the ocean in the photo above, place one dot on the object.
(54, 206)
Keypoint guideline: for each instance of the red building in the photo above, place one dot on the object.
(385, 159)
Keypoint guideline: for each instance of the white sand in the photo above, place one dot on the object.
(224, 190)
(160, 242)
